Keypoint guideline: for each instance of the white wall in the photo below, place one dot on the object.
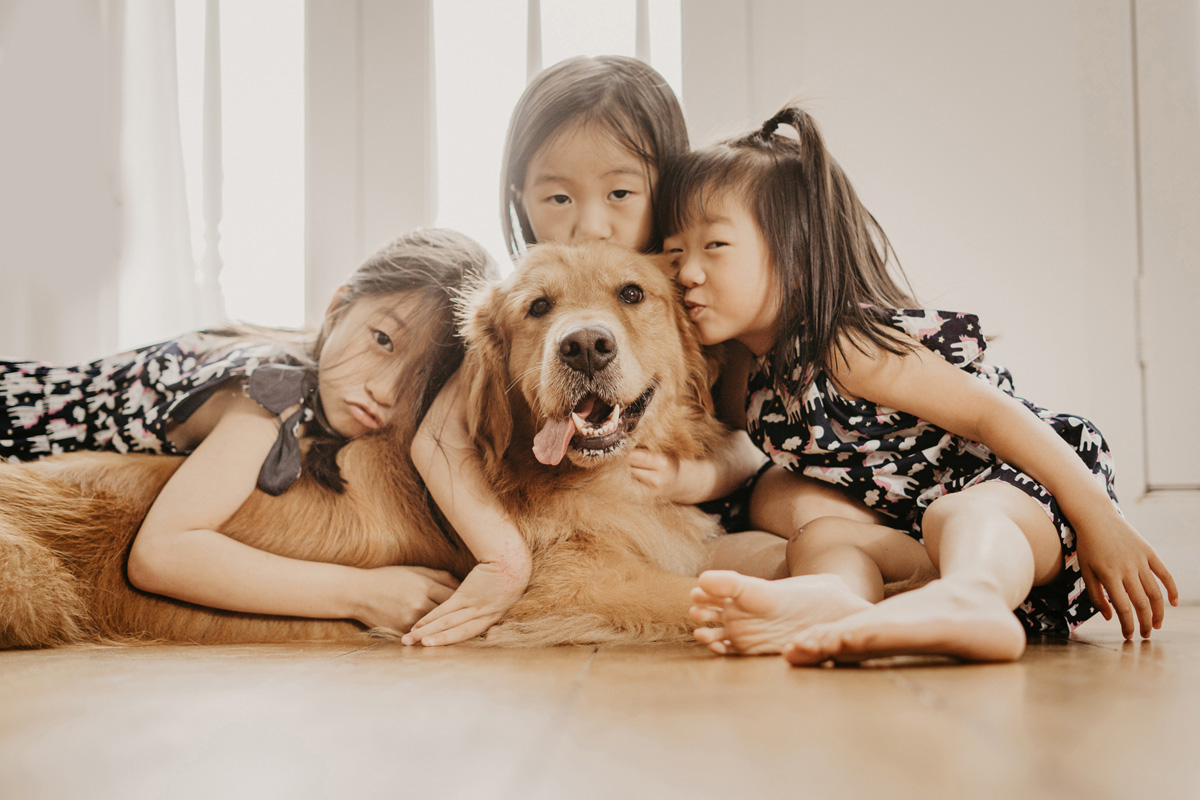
(997, 145)
(59, 211)
(1168, 131)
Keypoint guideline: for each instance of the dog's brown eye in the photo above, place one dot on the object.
(632, 294)
(539, 307)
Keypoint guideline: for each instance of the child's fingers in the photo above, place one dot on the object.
(1164, 575)
(645, 477)
(1096, 591)
(1122, 606)
(703, 598)
(449, 606)
(641, 458)
(460, 632)
(439, 575)
(439, 592)
(435, 617)
(1150, 587)
(1142, 607)
(426, 632)
(709, 635)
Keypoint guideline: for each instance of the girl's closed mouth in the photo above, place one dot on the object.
(364, 415)
(693, 309)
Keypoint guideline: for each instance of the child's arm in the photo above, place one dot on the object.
(179, 552)
(734, 461)
(443, 453)
(686, 481)
(1113, 557)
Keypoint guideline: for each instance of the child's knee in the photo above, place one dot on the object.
(947, 507)
(821, 535)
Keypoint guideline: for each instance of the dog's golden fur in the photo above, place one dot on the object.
(612, 562)
(66, 524)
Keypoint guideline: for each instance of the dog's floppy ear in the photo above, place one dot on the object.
(485, 368)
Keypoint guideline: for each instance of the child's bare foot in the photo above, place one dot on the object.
(759, 616)
(950, 618)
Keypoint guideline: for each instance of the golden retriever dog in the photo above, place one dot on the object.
(579, 356)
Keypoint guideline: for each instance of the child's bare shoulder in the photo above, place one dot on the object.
(859, 363)
(228, 406)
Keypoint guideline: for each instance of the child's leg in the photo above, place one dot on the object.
(838, 567)
(991, 543)
(780, 505)
(783, 503)
(863, 555)
(757, 553)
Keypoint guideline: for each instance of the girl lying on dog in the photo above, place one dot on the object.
(236, 402)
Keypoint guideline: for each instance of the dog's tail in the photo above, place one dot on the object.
(40, 600)
(62, 544)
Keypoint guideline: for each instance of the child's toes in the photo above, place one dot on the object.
(804, 651)
(705, 614)
(709, 635)
(703, 598)
(721, 647)
(721, 583)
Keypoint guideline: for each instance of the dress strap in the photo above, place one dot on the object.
(278, 387)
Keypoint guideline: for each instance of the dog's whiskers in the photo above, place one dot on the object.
(529, 371)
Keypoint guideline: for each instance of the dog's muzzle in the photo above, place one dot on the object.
(587, 350)
(594, 428)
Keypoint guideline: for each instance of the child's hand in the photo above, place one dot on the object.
(1114, 558)
(667, 475)
(486, 595)
(396, 597)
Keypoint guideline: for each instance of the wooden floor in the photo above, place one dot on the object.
(1092, 717)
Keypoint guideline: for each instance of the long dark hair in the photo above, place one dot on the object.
(830, 257)
(434, 266)
(624, 95)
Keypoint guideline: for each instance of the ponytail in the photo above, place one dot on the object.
(829, 254)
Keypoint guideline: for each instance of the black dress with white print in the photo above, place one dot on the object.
(897, 464)
(129, 402)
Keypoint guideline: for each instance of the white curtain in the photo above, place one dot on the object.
(95, 246)
(158, 295)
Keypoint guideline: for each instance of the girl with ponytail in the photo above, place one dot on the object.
(990, 505)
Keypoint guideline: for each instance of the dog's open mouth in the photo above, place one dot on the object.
(593, 428)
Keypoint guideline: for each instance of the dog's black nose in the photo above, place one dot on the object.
(587, 350)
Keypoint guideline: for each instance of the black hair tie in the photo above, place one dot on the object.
(768, 127)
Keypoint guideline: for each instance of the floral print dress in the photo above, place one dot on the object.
(898, 464)
(128, 403)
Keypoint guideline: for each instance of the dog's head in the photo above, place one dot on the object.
(594, 339)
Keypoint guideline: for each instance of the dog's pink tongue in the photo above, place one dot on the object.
(550, 444)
